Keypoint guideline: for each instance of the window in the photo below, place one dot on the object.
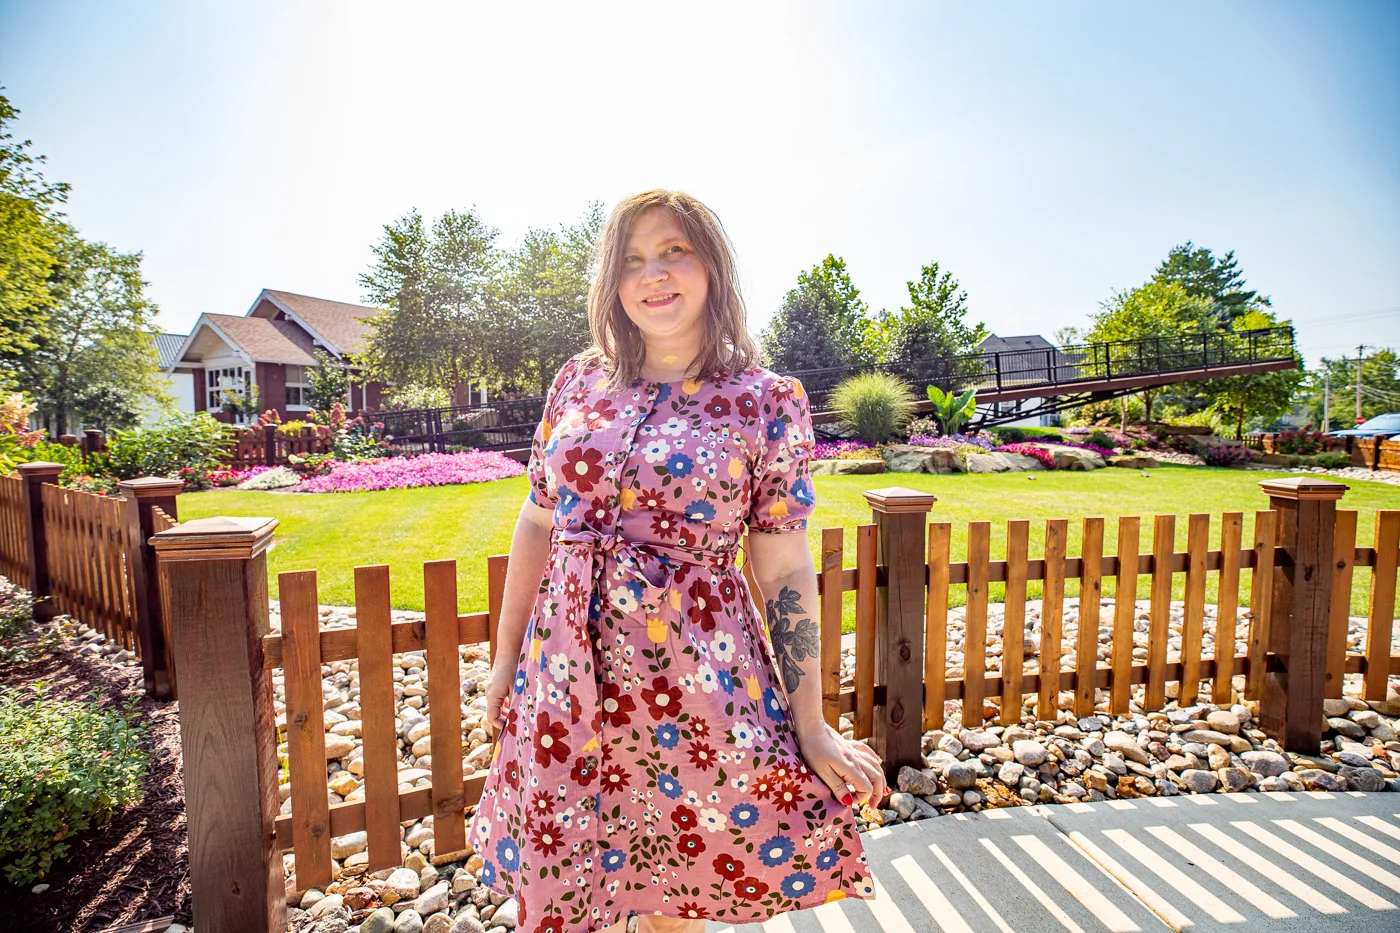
(298, 387)
(229, 377)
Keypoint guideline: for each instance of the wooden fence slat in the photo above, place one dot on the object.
(444, 704)
(1227, 601)
(865, 630)
(1013, 628)
(940, 536)
(1261, 599)
(1158, 626)
(1090, 593)
(1052, 607)
(380, 741)
(979, 545)
(833, 544)
(1193, 616)
(1124, 611)
(1344, 559)
(1380, 621)
(495, 596)
(306, 727)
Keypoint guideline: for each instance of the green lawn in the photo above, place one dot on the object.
(334, 533)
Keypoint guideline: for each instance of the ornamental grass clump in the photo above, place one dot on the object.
(876, 405)
(65, 766)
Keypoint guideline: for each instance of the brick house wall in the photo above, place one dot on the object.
(272, 385)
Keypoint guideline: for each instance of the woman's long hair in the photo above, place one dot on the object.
(726, 347)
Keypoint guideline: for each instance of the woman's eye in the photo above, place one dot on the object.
(676, 249)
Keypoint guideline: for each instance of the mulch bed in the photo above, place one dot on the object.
(136, 867)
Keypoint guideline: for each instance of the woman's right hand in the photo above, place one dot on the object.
(499, 684)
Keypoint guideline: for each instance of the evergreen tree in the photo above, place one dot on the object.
(821, 323)
(1217, 278)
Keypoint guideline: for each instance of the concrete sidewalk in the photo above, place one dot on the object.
(1270, 862)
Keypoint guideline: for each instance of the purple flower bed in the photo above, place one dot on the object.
(953, 440)
(474, 466)
(1029, 450)
(826, 450)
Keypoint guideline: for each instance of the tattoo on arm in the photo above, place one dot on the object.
(793, 639)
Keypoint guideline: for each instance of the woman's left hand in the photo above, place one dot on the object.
(840, 762)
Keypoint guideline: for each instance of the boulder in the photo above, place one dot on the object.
(1317, 779)
(1126, 745)
(1073, 458)
(1268, 764)
(1001, 463)
(1364, 779)
(846, 467)
(1199, 781)
(1133, 461)
(908, 458)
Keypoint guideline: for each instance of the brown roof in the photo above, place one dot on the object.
(336, 321)
(269, 341)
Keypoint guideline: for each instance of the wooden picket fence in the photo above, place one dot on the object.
(89, 570)
(14, 531)
(264, 445)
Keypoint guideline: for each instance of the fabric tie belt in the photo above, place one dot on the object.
(586, 549)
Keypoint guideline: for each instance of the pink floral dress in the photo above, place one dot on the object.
(648, 762)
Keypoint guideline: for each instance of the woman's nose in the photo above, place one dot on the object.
(654, 271)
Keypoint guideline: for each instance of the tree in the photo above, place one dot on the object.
(328, 382)
(1155, 309)
(435, 286)
(97, 356)
(821, 323)
(1263, 396)
(30, 238)
(1218, 279)
(934, 325)
(1380, 389)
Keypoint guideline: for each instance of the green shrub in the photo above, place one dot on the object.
(1100, 439)
(876, 405)
(16, 617)
(65, 766)
(178, 441)
(411, 397)
(1332, 460)
(1009, 435)
(952, 411)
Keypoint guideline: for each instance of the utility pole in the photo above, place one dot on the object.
(1327, 400)
(1360, 361)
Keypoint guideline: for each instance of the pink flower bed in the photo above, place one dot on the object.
(1046, 458)
(476, 466)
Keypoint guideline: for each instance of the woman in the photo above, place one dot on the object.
(656, 754)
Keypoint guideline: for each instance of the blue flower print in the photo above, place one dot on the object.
(776, 428)
(663, 394)
(667, 735)
(567, 500)
(726, 680)
(773, 705)
(827, 857)
(700, 511)
(520, 681)
(509, 853)
(802, 492)
(669, 786)
(613, 859)
(488, 873)
(743, 815)
(775, 851)
(678, 465)
(798, 883)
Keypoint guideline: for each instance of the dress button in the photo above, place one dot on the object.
(589, 803)
(590, 762)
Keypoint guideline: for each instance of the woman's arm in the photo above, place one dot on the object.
(782, 566)
(529, 548)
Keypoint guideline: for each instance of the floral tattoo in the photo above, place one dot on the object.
(792, 640)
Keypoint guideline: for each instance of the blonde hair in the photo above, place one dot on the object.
(726, 347)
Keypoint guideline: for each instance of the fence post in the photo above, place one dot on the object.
(93, 441)
(900, 517)
(216, 574)
(35, 475)
(269, 445)
(152, 628)
(1291, 708)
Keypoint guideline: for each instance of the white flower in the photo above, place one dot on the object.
(673, 427)
(699, 482)
(688, 682)
(712, 819)
(710, 470)
(722, 647)
(559, 666)
(743, 733)
(794, 434)
(656, 451)
(707, 677)
(704, 455)
(780, 463)
(623, 598)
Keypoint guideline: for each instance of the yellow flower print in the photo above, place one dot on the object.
(545, 429)
(536, 645)
(754, 692)
(656, 630)
(735, 468)
(628, 498)
(675, 599)
(691, 386)
(797, 390)
(778, 509)
(835, 896)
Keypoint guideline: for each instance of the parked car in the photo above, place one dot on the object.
(1386, 425)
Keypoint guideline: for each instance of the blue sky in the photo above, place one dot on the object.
(1045, 153)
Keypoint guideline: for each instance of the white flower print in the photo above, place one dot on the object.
(656, 451)
(688, 682)
(673, 427)
(780, 463)
(723, 647)
(712, 819)
(794, 434)
(740, 783)
(743, 733)
(623, 598)
(559, 666)
(710, 470)
(704, 455)
(709, 680)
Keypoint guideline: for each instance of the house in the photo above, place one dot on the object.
(1028, 358)
(272, 347)
(180, 385)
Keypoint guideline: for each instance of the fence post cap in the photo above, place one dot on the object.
(149, 487)
(1303, 487)
(40, 468)
(899, 499)
(217, 538)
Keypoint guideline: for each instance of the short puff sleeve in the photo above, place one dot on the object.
(537, 469)
(780, 493)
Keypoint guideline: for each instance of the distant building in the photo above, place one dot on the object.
(1035, 359)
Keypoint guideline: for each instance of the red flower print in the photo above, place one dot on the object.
(746, 405)
(750, 889)
(599, 514)
(651, 499)
(762, 788)
(662, 699)
(551, 924)
(573, 589)
(582, 468)
(787, 796)
(705, 604)
(702, 756)
(663, 526)
(575, 712)
(549, 740)
(727, 590)
(512, 718)
(690, 845)
(512, 773)
(599, 415)
(617, 706)
(693, 911)
(782, 387)
(718, 407)
(729, 867)
(684, 817)
(615, 779)
(546, 839)
(700, 728)
(542, 804)
(582, 773)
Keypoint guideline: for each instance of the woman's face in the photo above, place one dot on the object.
(664, 285)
